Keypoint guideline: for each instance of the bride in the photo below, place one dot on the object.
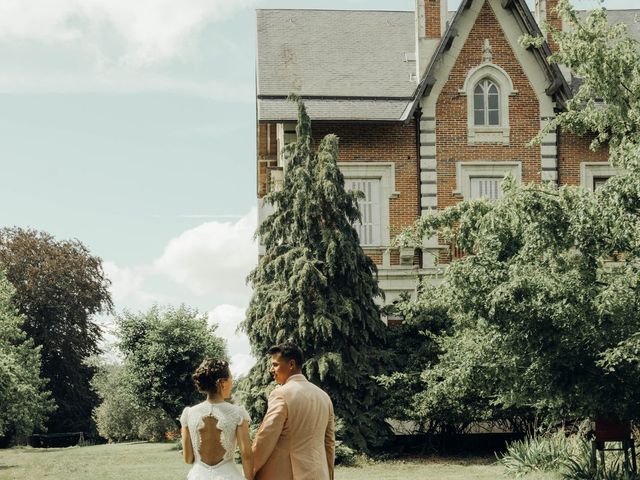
(210, 429)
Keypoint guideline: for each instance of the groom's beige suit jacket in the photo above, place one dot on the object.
(296, 440)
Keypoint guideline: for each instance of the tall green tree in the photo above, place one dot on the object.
(25, 402)
(162, 347)
(59, 286)
(314, 286)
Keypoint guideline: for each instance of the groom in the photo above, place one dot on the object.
(296, 439)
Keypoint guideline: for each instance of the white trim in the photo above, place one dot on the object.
(466, 170)
(385, 172)
(488, 133)
(591, 170)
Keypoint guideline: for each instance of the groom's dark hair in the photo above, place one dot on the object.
(289, 351)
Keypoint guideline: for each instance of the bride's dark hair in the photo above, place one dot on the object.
(208, 375)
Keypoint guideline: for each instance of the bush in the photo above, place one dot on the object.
(538, 454)
(345, 455)
(562, 456)
(121, 417)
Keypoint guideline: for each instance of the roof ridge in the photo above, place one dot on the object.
(329, 10)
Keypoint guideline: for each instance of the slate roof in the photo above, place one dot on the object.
(631, 18)
(354, 60)
(351, 65)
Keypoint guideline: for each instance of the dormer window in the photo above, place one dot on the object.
(486, 103)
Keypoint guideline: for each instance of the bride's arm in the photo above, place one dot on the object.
(187, 448)
(244, 443)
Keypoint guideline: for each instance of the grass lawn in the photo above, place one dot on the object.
(147, 461)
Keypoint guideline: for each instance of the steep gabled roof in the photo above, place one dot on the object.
(356, 65)
(557, 87)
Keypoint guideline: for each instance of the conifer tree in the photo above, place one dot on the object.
(315, 287)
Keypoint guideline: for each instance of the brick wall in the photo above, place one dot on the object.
(266, 147)
(554, 21)
(451, 112)
(432, 18)
(383, 143)
(372, 143)
(572, 150)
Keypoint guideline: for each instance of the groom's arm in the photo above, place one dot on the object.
(330, 441)
(269, 432)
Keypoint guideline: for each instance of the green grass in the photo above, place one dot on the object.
(147, 461)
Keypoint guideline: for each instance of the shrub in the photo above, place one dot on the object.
(566, 457)
(121, 416)
(538, 454)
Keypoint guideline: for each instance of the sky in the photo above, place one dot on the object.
(130, 126)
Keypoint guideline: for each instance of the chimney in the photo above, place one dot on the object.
(431, 22)
(546, 11)
(435, 15)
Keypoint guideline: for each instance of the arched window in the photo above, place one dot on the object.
(488, 89)
(486, 103)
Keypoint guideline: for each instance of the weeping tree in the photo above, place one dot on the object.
(315, 286)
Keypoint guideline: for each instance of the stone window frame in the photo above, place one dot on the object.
(502, 80)
(465, 171)
(591, 170)
(486, 85)
(385, 173)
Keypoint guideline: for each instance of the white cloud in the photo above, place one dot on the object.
(121, 46)
(28, 79)
(128, 287)
(149, 31)
(227, 318)
(211, 261)
(213, 258)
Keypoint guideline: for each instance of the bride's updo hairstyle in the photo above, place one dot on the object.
(208, 375)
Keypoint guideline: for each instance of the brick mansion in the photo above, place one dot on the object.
(431, 107)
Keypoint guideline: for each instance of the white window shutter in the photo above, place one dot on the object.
(486, 187)
(375, 212)
(369, 226)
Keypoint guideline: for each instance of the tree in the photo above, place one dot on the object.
(543, 321)
(538, 292)
(25, 402)
(314, 286)
(121, 416)
(607, 62)
(59, 287)
(161, 349)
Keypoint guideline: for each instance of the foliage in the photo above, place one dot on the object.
(606, 59)
(120, 415)
(161, 349)
(567, 455)
(315, 286)
(538, 288)
(59, 287)
(542, 453)
(25, 402)
(345, 455)
(415, 345)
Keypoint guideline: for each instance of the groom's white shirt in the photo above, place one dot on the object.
(296, 439)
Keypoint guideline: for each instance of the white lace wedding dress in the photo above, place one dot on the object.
(212, 428)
